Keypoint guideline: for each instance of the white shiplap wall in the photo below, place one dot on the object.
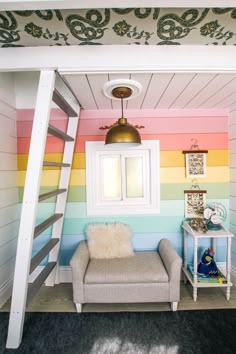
(8, 185)
(232, 198)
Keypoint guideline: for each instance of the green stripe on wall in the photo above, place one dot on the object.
(168, 191)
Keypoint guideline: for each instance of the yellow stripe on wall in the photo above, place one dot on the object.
(78, 160)
(217, 158)
(177, 158)
(177, 175)
(51, 178)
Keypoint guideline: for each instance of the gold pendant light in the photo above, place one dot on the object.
(122, 133)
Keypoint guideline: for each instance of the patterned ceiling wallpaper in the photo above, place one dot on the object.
(148, 26)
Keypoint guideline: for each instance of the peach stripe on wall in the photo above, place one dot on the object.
(169, 175)
(168, 142)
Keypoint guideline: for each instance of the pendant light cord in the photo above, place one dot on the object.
(122, 111)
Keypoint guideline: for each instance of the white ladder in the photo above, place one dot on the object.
(51, 88)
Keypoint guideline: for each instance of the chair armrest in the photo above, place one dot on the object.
(172, 263)
(79, 263)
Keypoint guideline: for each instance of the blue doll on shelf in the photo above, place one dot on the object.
(207, 266)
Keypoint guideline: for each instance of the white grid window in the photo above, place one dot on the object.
(124, 181)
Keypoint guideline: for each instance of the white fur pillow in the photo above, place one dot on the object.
(110, 240)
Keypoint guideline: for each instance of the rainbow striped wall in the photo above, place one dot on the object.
(174, 129)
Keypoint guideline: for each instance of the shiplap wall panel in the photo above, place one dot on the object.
(7, 251)
(158, 84)
(221, 94)
(8, 196)
(8, 232)
(7, 271)
(7, 89)
(210, 89)
(7, 144)
(83, 90)
(8, 179)
(174, 90)
(7, 111)
(8, 182)
(144, 80)
(9, 126)
(8, 162)
(8, 214)
(96, 84)
(196, 85)
(226, 102)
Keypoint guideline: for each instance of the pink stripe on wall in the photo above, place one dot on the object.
(24, 128)
(162, 125)
(28, 114)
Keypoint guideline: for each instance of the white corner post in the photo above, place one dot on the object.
(29, 208)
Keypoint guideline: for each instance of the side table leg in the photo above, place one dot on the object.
(195, 269)
(194, 293)
(228, 267)
(185, 253)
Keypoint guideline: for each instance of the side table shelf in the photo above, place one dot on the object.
(213, 235)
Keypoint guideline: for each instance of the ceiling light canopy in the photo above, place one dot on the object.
(121, 133)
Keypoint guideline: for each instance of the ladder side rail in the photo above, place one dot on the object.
(29, 207)
(62, 198)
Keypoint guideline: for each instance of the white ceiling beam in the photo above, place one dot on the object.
(103, 59)
(81, 4)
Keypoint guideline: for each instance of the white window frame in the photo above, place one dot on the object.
(149, 204)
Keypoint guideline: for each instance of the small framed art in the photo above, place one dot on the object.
(195, 203)
(195, 163)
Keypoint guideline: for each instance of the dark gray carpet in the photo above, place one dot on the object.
(189, 332)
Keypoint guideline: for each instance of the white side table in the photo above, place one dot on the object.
(213, 235)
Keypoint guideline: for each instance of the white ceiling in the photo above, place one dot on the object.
(159, 90)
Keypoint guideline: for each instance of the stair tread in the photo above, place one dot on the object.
(51, 194)
(58, 133)
(36, 260)
(46, 223)
(63, 104)
(38, 282)
(56, 164)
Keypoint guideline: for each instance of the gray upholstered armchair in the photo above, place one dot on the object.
(145, 277)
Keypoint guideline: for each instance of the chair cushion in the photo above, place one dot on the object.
(143, 267)
(109, 240)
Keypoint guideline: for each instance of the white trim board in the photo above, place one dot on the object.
(80, 59)
(5, 291)
(81, 4)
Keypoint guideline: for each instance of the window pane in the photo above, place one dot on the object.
(111, 171)
(134, 177)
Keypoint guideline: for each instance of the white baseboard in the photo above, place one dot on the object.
(5, 291)
(65, 275)
(233, 275)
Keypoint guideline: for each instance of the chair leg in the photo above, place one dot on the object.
(174, 305)
(78, 307)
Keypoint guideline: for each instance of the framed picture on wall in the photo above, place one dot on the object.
(195, 163)
(195, 203)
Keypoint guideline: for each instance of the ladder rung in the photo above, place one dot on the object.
(45, 224)
(42, 254)
(36, 285)
(59, 134)
(63, 104)
(55, 164)
(51, 194)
